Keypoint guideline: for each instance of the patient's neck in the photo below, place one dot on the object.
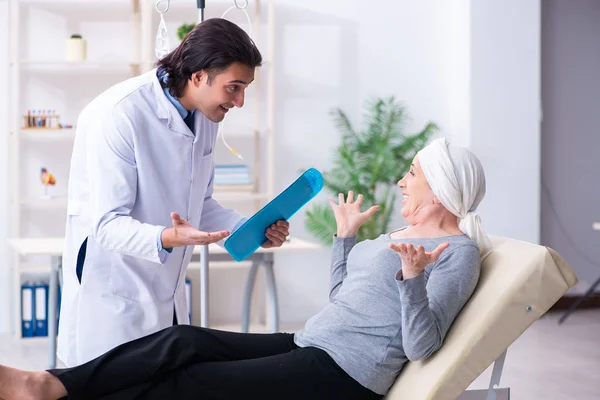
(434, 221)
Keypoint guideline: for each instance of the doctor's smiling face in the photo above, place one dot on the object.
(214, 94)
(211, 68)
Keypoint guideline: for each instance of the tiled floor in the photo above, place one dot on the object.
(548, 362)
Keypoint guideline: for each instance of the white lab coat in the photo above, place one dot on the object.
(134, 162)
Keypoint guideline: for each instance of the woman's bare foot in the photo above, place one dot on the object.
(28, 385)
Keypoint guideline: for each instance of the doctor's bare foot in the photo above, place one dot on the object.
(28, 385)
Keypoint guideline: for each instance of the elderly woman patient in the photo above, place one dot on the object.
(392, 300)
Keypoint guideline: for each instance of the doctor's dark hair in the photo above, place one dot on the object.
(213, 45)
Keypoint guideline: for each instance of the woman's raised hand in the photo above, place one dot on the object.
(415, 259)
(348, 215)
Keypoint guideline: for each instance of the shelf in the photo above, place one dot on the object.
(104, 66)
(36, 340)
(31, 267)
(245, 188)
(85, 10)
(39, 203)
(195, 265)
(47, 134)
(239, 196)
(186, 10)
(60, 202)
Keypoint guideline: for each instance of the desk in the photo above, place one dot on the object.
(53, 247)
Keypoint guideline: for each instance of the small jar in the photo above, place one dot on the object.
(76, 48)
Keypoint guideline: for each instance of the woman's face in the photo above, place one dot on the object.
(416, 191)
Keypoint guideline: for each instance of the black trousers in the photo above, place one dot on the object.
(187, 362)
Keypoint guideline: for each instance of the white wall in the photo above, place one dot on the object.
(570, 85)
(352, 53)
(4, 288)
(64, 91)
(469, 66)
(505, 112)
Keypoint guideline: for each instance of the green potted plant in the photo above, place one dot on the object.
(184, 29)
(369, 162)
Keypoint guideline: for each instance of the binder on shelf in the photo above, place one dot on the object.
(41, 310)
(27, 310)
(59, 296)
(188, 293)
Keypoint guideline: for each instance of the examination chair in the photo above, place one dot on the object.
(519, 282)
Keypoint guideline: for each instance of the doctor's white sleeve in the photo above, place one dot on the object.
(113, 188)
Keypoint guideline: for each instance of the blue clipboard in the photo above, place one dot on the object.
(251, 235)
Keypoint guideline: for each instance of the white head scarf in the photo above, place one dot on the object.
(456, 178)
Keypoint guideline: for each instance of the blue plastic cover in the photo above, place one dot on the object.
(251, 235)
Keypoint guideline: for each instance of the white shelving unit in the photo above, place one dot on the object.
(51, 69)
(52, 203)
(74, 13)
(47, 135)
(142, 19)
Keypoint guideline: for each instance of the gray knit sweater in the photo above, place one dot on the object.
(374, 322)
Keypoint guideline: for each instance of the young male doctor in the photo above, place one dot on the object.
(140, 192)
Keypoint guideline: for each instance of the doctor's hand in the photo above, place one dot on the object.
(277, 234)
(183, 234)
(348, 216)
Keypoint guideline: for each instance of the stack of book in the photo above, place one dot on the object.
(232, 177)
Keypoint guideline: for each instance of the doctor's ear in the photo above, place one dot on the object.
(197, 77)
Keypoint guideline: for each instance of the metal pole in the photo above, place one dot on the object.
(496, 374)
(571, 309)
(204, 248)
(53, 309)
(273, 307)
(200, 4)
(204, 286)
(248, 296)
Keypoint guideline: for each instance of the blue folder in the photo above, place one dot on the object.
(41, 310)
(27, 310)
(188, 293)
(59, 297)
(251, 235)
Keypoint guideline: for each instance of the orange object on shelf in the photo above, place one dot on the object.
(47, 178)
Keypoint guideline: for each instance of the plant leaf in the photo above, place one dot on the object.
(369, 162)
(321, 223)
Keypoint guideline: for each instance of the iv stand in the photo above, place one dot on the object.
(204, 248)
(200, 4)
